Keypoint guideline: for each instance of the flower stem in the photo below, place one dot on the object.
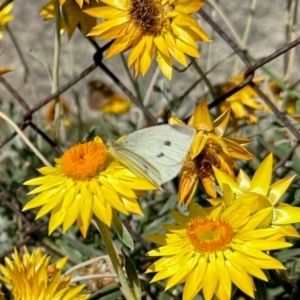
(18, 49)
(246, 34)
(55, 74)
(125, 285)
(133, 82)
(24, 138)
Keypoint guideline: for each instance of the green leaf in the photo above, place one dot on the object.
(261, 291)
(122, 232)
(87, 250)
(295, 270)
(170, 204)
(110, 292)
(164, 296)
(272, 293)
(44, 61)
(287, 255)
(132, 275)
(278, 151)
(156, 225)
(290, 91)
(281, 151)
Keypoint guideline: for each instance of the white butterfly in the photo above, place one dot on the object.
(155, 153)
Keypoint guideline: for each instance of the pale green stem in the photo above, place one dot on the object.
(93, 277)
(246, 34)
(86, 263)
(204, 78)
(151, 85)
(16, 45)
(125, 286)
(210, 45)
(292, 52)
(228, 24)
(55, 74)
(75, 91)
(133, 82)
(24, 138)
(287, 31)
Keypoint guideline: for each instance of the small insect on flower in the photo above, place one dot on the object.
(91, 179)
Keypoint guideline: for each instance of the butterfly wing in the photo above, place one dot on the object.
(137, 164)
(156, 152)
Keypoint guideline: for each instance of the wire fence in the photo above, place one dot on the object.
(36, 232)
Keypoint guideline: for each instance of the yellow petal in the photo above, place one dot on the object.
(194, 280)
(165, 65)
(201, 119)
(161, 45)
(136, 50)
(210, 279)
(278, 188)
(261, 180)
(200, 141)
(286, 215)
(223, 178)
(241, 279)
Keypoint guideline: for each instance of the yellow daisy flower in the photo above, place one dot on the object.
(116, 105)
(87, 180)
(263, 195)
(72, 15)
(5, 17)
(212, 248)
(102, 97)
(285, 103)
(160, 28)
(242, 103)
(31, 277)
(209, 149)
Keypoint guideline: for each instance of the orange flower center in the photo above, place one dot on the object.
(208, 235)
(84, 161)
(148, 16)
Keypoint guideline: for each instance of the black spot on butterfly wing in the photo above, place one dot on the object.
(160, 155)
(167, 143)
